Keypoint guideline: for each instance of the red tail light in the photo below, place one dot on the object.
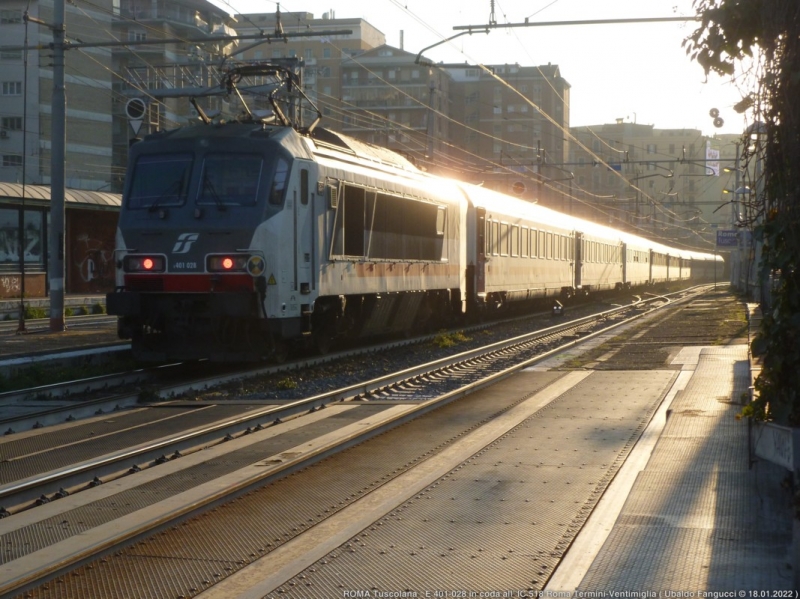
(227, 263)
(143, 264)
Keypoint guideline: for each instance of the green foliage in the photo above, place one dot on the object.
(730, 32)
(287, 383)
(98, 309)
(83, 311)
(444, 340)
(32, 312)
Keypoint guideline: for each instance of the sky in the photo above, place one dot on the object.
(637, 72)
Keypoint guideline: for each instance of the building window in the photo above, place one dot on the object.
(12, 160)
(11, 123)
(135, 35)
(277, 54)
(415, 74)
(31, 241)
(11, 55)
(12, 88)
(10, 17)
(326, 53)
(308, 54)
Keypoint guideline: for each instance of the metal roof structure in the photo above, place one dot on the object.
(75, 198)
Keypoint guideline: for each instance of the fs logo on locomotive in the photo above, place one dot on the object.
(184, 243)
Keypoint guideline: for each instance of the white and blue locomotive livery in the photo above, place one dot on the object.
(239, 239)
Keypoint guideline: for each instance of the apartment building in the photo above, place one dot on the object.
(322, 50)
(508, 124)
(389, 100)
(26, 89)
(663, 183)
(162, 73)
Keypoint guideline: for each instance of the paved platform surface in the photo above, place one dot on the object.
(700, 517)
(38, 338)
(696, 514)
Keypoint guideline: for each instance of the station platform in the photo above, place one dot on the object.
(37, 337)
(691, 511)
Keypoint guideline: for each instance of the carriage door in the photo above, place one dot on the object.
(624, 258)
(304, 256)
(480, 262)
(578, 264)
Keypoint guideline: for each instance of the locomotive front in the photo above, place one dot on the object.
(199, 235)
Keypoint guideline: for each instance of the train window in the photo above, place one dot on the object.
(504, 239)
(304, 186)
(515, 240)
(160, 180)
(383, 226)
(279, 180)
(549, 246)
(230, 179)
(440, 219)
(482, 231)
(495, 238)
(524, 242)
(352, 208)
(542, 243)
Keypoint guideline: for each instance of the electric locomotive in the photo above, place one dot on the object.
(239, 239)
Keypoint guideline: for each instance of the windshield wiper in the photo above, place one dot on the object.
(171, 190)
(207, 184)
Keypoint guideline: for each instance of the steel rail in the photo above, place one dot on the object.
(293, 464)
(274, 413)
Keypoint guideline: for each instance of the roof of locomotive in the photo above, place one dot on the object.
(325, 139)
(285, 136)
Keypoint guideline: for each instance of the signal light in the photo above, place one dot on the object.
(227, 263)
(132, 263)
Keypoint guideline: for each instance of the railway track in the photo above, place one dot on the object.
(421, 383)
(394, 399)
(53, 403)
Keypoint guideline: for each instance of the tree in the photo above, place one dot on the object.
(757, 42)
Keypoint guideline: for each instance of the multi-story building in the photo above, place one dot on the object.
(26, 89)
(508, 127)
(157, 73)
(389, 100)
(663, 183)
(321, 50)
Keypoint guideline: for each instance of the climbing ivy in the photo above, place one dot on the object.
(757, 44)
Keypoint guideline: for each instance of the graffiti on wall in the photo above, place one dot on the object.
(94, 261)
(10, 285)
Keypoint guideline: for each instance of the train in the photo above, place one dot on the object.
(240, 240)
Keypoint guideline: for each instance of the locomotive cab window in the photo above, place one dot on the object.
(230, 180)
(279, 180)
(159, 180)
